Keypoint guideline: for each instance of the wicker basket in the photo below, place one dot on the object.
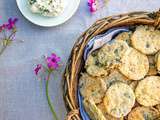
(75, 63)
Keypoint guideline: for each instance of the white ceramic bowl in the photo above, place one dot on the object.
(70, 8)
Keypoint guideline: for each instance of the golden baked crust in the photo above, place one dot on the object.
(148, 91)
(115, 76)
(119, 100)
(93, 111)
(143, 113)
(146, 39)
(110, 54)
(124, 36)
(107, 58)
(94, 68)
(134, 65)
(92, 87)
(106, 115)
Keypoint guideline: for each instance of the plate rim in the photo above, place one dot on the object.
(53, 25)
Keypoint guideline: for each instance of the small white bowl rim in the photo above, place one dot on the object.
(51, 25)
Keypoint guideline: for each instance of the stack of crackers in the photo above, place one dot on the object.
(122, 79)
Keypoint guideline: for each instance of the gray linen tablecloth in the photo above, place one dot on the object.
(21, 97)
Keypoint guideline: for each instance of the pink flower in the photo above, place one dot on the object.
(3, 27)
(92, 5)
(37, 69)
(53, 61)
(11, 23)
(91, 1)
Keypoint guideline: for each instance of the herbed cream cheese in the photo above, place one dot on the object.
(49, 8)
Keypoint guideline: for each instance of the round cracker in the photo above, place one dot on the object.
(143, 113)
(146, 39)
(110, 54)
(148, 91)
(115, 76)
(119, 100)
(124, 36)
(96, 71)
(93, 111)
(92, 87)
(134, 65)
(93, 67)
(101, 107)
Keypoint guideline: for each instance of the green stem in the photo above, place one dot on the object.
(5, 46)
(11, 34)
(2, 50)
(49, 99)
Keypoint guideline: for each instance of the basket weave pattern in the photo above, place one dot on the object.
(75, 63)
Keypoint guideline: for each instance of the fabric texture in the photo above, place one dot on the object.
(21, 96)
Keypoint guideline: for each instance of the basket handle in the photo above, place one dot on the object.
(73, 113)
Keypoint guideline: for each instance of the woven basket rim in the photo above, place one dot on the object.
(75, 62)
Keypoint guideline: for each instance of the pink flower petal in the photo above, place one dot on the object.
(37, 69)
(11, 23)
(91, 1)
(93, 7)
(53, 61)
